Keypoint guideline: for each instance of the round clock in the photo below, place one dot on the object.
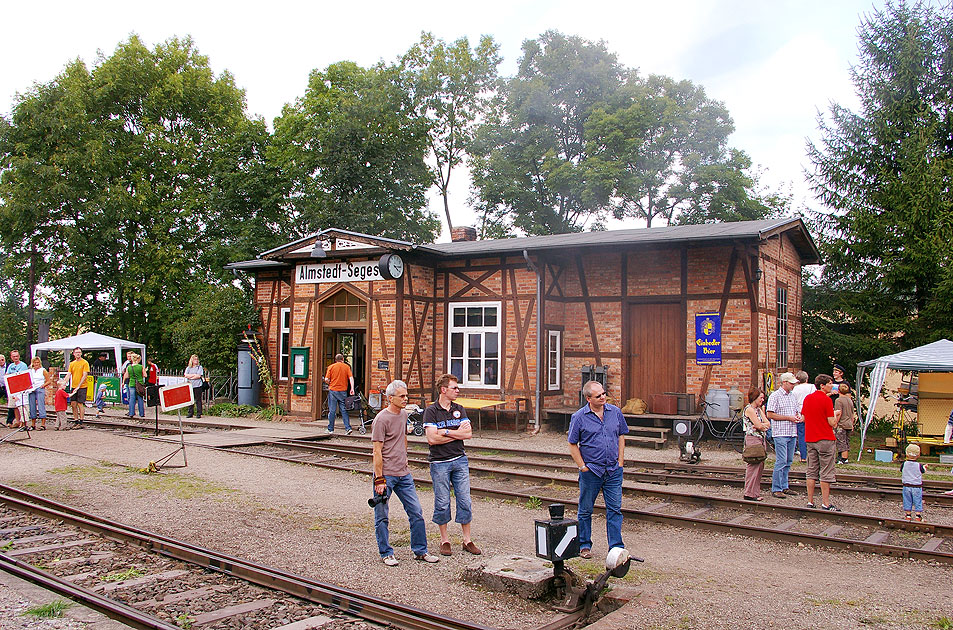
(391, 266)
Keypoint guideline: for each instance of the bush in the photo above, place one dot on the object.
(269, 412)
(231, 410)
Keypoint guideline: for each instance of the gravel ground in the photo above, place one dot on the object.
(316, 522)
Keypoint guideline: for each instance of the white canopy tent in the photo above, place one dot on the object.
(933, 357)
(89, 341)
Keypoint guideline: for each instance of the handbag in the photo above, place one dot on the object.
(141, 389)
(754, 453)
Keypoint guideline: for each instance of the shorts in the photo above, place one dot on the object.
(79, 396)
(820, 461)
(843, 439)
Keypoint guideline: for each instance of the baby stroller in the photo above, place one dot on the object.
(355, 410)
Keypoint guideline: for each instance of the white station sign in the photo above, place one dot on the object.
(338, 272)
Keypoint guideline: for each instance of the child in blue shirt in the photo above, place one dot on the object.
(911, 472)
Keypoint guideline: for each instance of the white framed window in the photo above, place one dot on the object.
(782, 327)
(474, 348)
(284, 351)
(554, 340)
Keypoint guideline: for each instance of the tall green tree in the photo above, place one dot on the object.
(353, 149)
(212, 326)
(651, 142)
(885, 172)
(114, 175)
(451, 86)
(529, 164)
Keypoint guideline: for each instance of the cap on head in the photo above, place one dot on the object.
(788, 377)
(838, 366)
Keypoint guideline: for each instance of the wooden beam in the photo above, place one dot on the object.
(592, 322)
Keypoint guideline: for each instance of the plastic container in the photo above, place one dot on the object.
(717, 400)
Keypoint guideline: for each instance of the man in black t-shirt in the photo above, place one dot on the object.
(447, 427)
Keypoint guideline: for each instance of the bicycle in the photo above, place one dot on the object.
(732, 433)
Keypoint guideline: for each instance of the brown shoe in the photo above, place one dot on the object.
(585, 553)
(789, 492)
(779, 495)
(471, 548)
(445, 549)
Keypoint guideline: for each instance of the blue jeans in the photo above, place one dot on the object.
(335, 402)
(611, 486)
(133, 399)
(912, 498)
(454, 473)
(801, 443)
(37, 400)
(783, 456)
(403, 487)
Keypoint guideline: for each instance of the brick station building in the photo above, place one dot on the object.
(517, 320)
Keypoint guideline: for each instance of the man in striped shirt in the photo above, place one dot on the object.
(783, 412)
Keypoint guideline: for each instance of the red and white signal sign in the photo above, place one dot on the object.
(17, 383)
(176, 397)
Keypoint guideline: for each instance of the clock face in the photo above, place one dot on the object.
(395, 265)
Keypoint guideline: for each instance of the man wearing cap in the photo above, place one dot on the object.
(838, 372)
(783, 412)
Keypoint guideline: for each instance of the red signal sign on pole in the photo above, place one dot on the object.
(176, 397)
(17, 383)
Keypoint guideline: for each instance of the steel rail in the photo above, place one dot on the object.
(343, 599)
(697, 468)
(662, 477)
(109, 607)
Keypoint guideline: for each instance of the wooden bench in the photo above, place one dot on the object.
(654, 436)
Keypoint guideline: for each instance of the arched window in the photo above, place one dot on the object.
(345, 307)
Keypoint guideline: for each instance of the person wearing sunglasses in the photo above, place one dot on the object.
(597, 445)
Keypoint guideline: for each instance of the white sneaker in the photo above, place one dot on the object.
(329, 431)
(427, 557)
(390, 561)
(348, 432)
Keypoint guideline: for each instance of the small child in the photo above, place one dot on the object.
(61, 403)
(100, 400)
(911, 472)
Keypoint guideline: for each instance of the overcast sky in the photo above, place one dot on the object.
(773, 62)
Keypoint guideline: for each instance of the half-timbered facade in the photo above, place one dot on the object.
(517, 320)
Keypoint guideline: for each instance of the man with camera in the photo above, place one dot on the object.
(392, 476)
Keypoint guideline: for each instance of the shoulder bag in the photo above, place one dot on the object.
(754, 453)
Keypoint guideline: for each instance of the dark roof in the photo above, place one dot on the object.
(739, 230)
(255, 265)
(708, 232)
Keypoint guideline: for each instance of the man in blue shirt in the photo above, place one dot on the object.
(597, 445)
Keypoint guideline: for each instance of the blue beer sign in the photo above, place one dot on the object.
(708, 339)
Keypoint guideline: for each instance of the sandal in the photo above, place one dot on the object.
(747, 498)
(919, 518)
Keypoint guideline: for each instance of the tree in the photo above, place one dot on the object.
(529, 163)
(213, 326)
(885, 173)
(451, 84)
(650, 143)
(728, 191)
(114, 175)
(353, 150)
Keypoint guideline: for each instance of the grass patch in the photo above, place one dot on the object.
(231, 410)
(341, 524)
(48, 611)
(943, 623)
(533, 503)
(121, 576)
(184, 621)
(180, 486)
(644, 575)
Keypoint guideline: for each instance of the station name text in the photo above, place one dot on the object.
(338, 272)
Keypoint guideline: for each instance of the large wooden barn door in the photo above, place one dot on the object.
(656, 340)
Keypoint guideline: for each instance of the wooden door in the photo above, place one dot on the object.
(656, 350)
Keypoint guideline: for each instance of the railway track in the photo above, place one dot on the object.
(152, 581)
(509, 479)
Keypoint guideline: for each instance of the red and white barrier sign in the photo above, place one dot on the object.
(17, 383)
(177, 397)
